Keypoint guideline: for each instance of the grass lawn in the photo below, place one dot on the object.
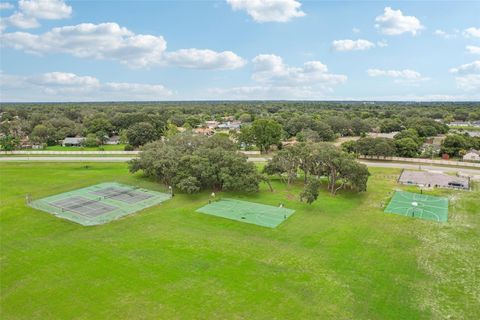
(107, 147)
(340, 258)
(467, 128)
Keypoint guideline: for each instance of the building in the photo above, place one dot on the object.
(229, 125)
(113, 140)
(476, 124)
(459, 124)
(472, 155)
(473, 133)
(290, 142)
(204, 131)
(389, 135)
(73, 142)
(431, 179)
(430, 148)
(212, 124)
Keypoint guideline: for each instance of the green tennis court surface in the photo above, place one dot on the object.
(249, 212)
(100, 203)
(419, 206)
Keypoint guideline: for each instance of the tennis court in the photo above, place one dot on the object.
(419, 206)
(249, 212)
(100, 203)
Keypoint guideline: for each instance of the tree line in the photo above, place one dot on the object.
(192, 163)
(318, 162)
(408, 143)
(140, 123)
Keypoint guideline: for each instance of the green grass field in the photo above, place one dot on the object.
(340, 258)
(107, 147)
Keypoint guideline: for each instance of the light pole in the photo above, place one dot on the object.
(414, 205)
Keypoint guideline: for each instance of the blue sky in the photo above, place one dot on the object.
(55, 50)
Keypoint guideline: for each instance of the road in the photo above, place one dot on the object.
(67, 159)
(421, 166)
(380, 164)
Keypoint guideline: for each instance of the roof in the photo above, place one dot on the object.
(474, 152)
(230, 125)
(389, 135)
(203, 130)
(431, 178)
(73, 140)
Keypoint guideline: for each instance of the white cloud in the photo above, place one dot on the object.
(405, 76)
(22, 21)
(416, 97)
(269, 68)
(86, 40)
(473, 49)
(276, 80)
(470, 82)
(109, 41)
(468, 68)
(445, 34)
(269, 10)
(61, 86)
(265, 93)
(30, 11)
(393, 22)
(352, 45)
(468, 78)
(45, 9)
(355, 30)
(6, 6)
(382, 44)
(406, 73)
(64, 79)
(471, 32)
(205, 59)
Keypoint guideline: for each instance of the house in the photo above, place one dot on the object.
(473, 133)
(476, 124)
(459, 124)
(290, 142)
(211, 124)
(113, 140)
(431, 148)
(228, 118)
(73, 142)
(229, 125)
(472, 155)
(432, 144)
(25, 143)
(433, 179)
(204, 131)
(389, 135)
